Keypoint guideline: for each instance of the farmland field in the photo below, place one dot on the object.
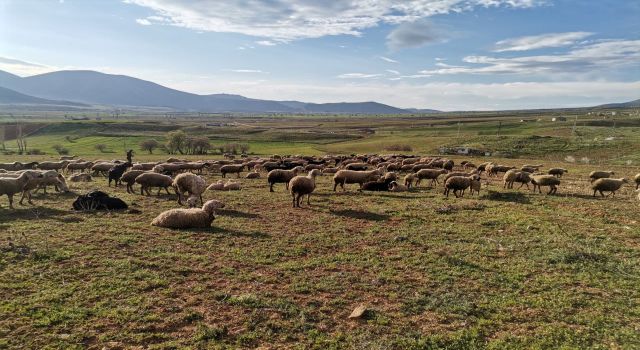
(505, 269)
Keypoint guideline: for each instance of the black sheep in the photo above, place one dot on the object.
(377, 185)
(98, 200)
(116, 171)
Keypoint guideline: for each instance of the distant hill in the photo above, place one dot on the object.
(418, 110)
(97, 88)
(630, 104)
(8, 96)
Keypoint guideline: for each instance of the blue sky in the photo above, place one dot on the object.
(443, 54)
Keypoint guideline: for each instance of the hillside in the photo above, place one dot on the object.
(630, 104)
(8, 96)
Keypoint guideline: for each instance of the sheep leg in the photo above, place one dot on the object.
(271, 187)
(309, 199)
(224, 175)
(10, 200)
(601, 193)
(594, 192)
(201, 201)
(167, 189)
(238, 175)
(335, 184)
(159, 189)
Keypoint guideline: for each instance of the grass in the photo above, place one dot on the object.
(504, 270)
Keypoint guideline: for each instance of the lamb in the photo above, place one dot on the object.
(557, 172)
(252, 175)
(115, 173)
(429, 174)
(343, 177)
(231, 168)
(188, 218)
(637, 181)
(81, 178)
(282, 176)
(459, 183)
(146, 180)
(595, 175)
(129, 178)
(11, 186)
(545, 180)
(607, 185)
(396, 187)
(191, 183)
(409, 179)
(301, 185)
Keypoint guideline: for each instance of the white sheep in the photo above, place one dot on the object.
(11, 186)
(188, 218)
(189, 183)
(343, 177)
(303, 185)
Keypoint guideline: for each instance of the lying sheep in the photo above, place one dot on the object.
(189, 183)
(231, 186)
(11, 186)
(550, 181)
(252, 175)
(129, 178)
(147, 180)
(343, 177)
(188, 218)
(216, 186)
(282, 176)
(607, 185)
(459, 184)
(595, 175)
(396, 187)
(379, 185)
(429, 174)
(557, 172)
(81, 178)
(303, 185)
(231, 169)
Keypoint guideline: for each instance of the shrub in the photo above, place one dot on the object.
(101, 147)
(60, 149)
(149, 145)
(398, 147)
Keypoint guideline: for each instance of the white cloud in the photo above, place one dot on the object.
(287, 20)
(143, 21)
(387, 59)
(392, 71)
(540, 41)
(23, 68)
(592, 58)
(358, 76)
(245, 71)
(266, 43)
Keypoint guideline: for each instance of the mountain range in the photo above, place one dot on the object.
(95, 88)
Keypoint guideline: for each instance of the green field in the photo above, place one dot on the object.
(508, 269)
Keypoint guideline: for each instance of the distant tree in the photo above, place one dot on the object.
(149, 145)
(244, 148)
(2, 146)
(100, 147)
(60, 149)
(176, 141)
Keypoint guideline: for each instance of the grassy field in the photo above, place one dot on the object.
(506, 269)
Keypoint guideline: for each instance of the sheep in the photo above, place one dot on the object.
(71, 167)
(81, 178)
(459, 183)
(252, 175)
(188, 218)
(143, 166)
(282, 176)
(101, 167)
(191, 183)
(380, 185)
(390, 175)
(396, 187)
(429, 174)
(637, 181)
(343, 177)
(50, 177)
(528, 169)
(146, 180)
(475, 186)
(11, 166)
(513, 175)
(494, 169)
(482, 167)
(231, 168)
(469, 165)
(357, 166)
(115, 173)
(129, 178)
(595, 175)
(11, 186)
(545, 180)
(409, 179)
(231, 186)
(557, 172)
(458, 173)
(216, 186)
(301, 185)
(607, 185)
(52, 165)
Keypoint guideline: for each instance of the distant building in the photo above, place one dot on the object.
(559, 119)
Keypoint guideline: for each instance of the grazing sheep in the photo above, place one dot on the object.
(115, 173)
(429, 174)
(81, 166)
(390, 175)
(409, 179)
(607, 185)
(101, 167)
(458, 173)
(252, 175)
(301, 185)
(495, 169)
(475, 186)
(147, 180)
(557, 172)
(637, 180)
(129, 178)
(595, 175)
(513, 175)
(188, 218)
(396, 187)
(52, 165)
(11, 186)
(231, 169)
(189, 183)
(483, 167)
(81, 178)
(50, 177)
(343, 177)
(282, 176)
(545, 180)
(459, 183)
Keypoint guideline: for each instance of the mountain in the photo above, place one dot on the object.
(630, 104)
(11, 97)
(97, 88)
(424, 110)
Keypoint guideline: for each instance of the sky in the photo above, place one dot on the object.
(440, 54)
